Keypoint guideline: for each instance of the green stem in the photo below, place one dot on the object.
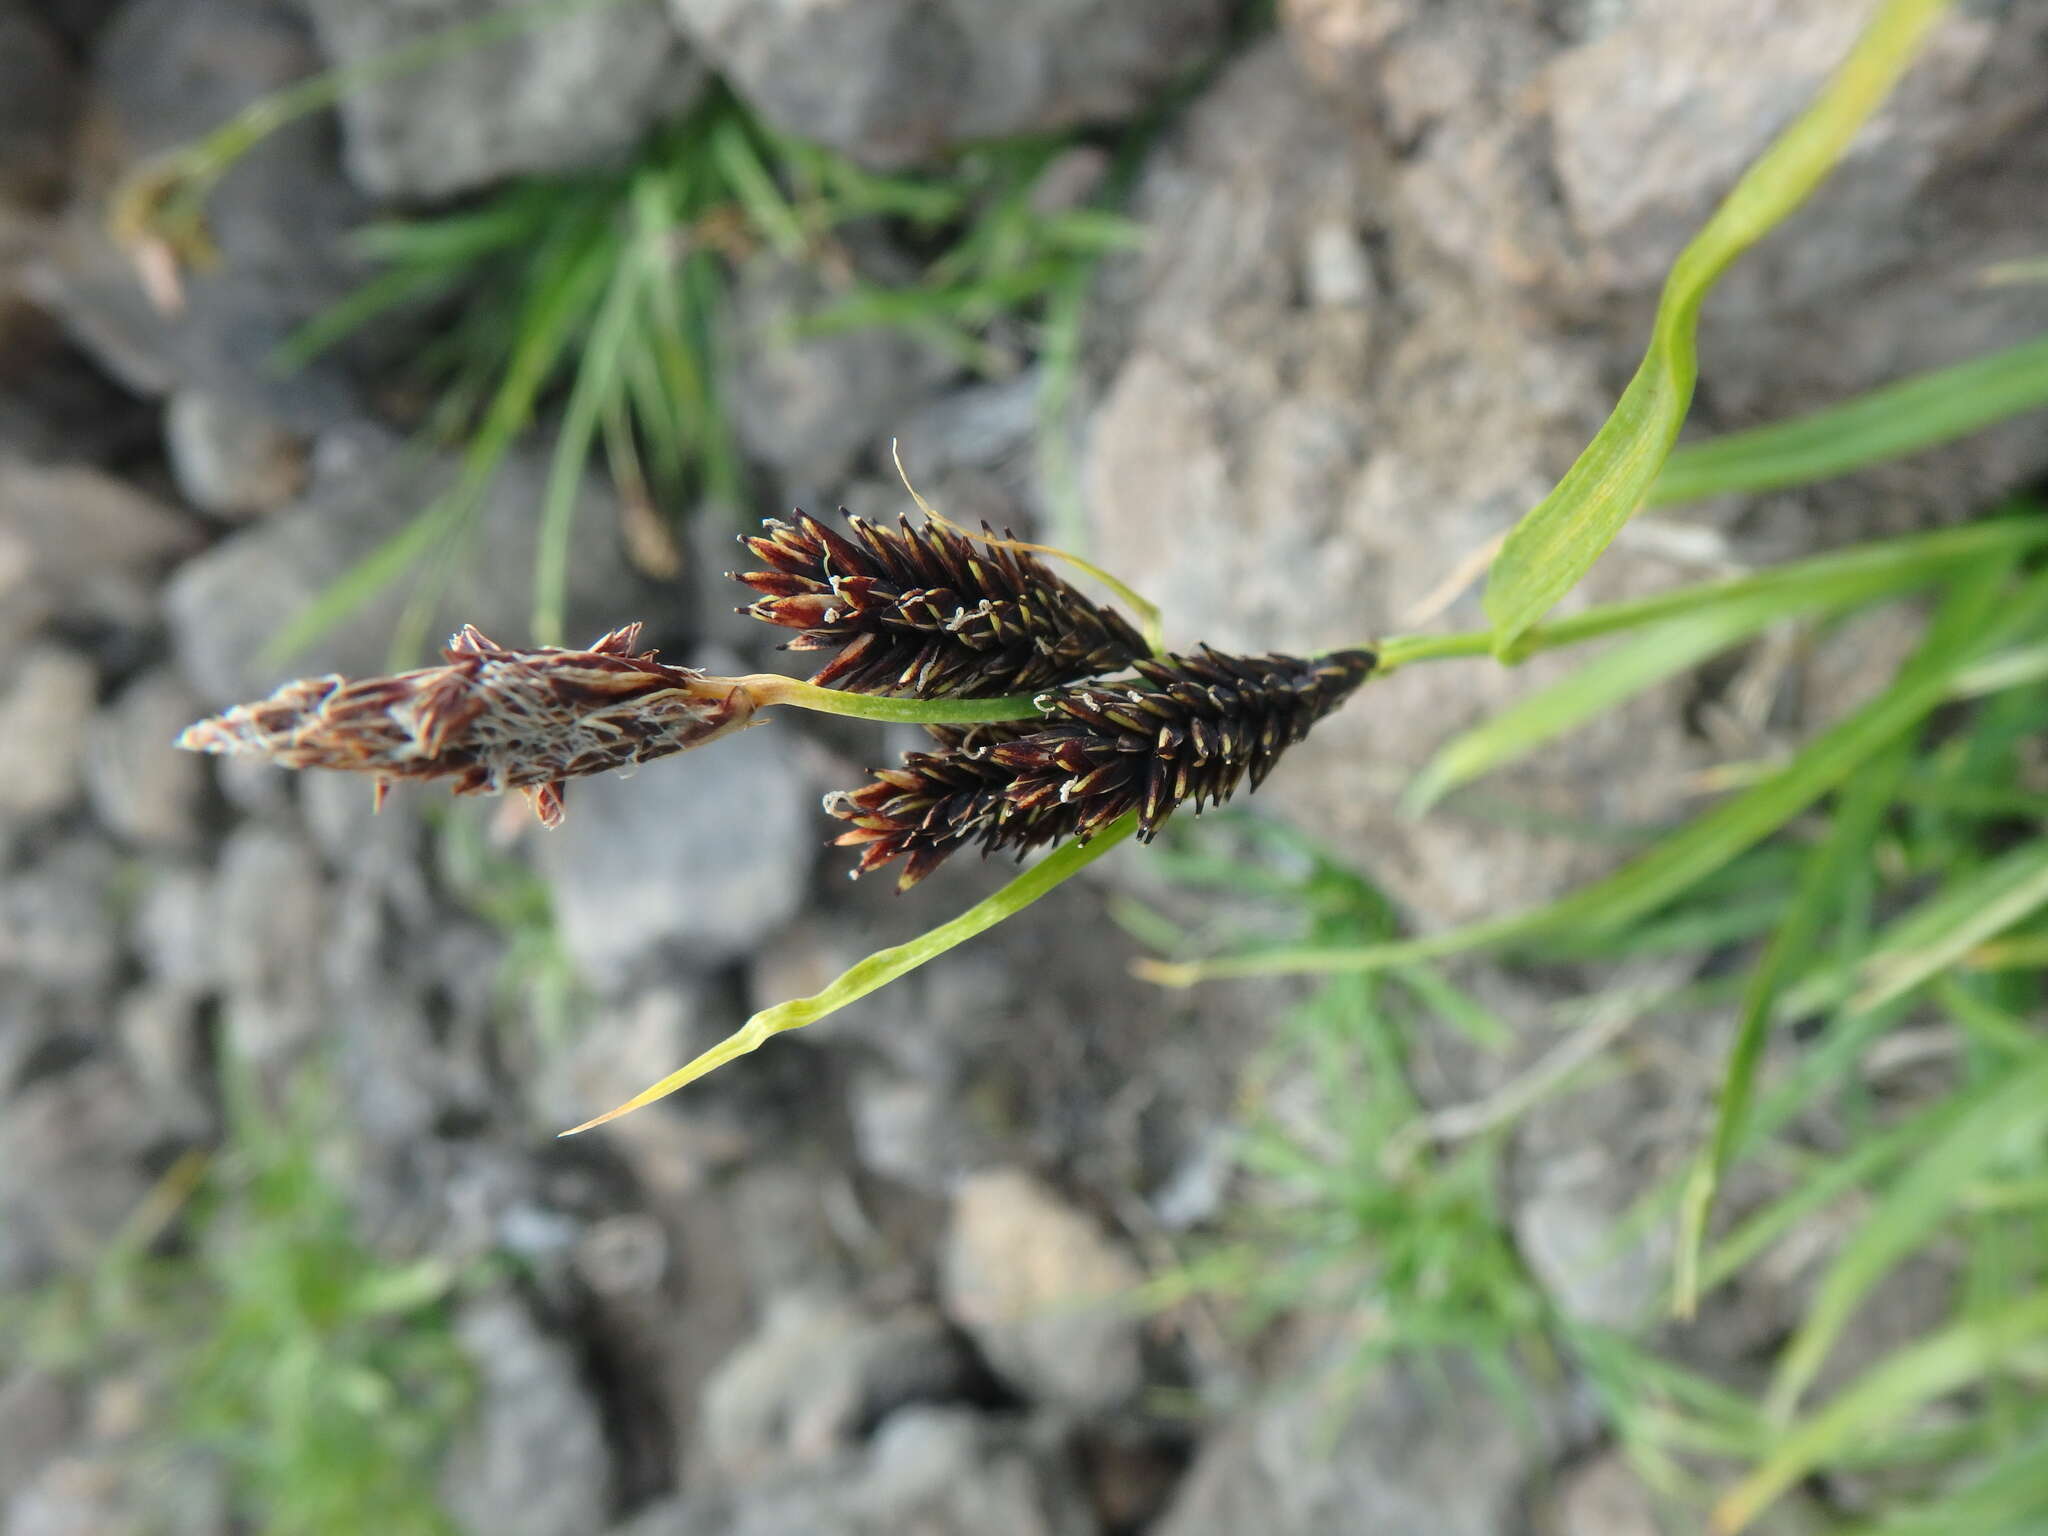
(768, 688)
(1920, 555)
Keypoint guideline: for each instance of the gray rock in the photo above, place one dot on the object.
(229, 460)
(388, 1062)
(71, 1170)
(74, 1496)
(534, 1462)
(1295, 526)
(166, 72)
(623, 1256)
(273, 913)
(141, 786)
(898, 81)
(784, 1235)
(1043, 1291)
(36, 1410)
(378, 846)
(108, 1492)
(934, 1471)
(174, 930)
(700, 858)
(159, 1030)
(579, 88)
(812, 406)
(915, 1130)
(1564, 1230)
(43, 716)
(817, 1373)
(81, 545)
(1300, 474)
(57, 919)
(1392, 1455)
(1604, 1497)
(29, 1016)
(226, 606)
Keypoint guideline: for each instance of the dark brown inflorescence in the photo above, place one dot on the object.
(490, 719)
(927, 612)
(1186, 729)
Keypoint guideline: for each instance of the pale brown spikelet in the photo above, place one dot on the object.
(489, 719)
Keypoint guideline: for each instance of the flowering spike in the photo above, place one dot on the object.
(927, 611)
(489, 719)
(1186, 729)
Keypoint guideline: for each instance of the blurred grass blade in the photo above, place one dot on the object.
(1643, 661)
(1889, 423)
(885, 965)
(575, 282)
(1865, 802)
(2003, 1114)
(754, 184)
(1941, 932)
(2011, 1499)
(1941, 1363)
(1891, 564)
(1455, 1007)
(1829, 1182)
(599, 378)
(1650, 656)
(1557, 542)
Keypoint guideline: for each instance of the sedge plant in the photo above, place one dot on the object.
(934, 626)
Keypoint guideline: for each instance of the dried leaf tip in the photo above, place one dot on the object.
(1185, 729)
(489, 719)
(928, 612)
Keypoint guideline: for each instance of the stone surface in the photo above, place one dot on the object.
(162, 1045)
(1387, 1454)
(143, 787)
(817, 1373)
(579, 88)
(71, 1149)
(1319, 425)
(273, 912)
(1043, 1291)
(227, 605)
(165, 72)
(78, 544)
(812, 406)
(57, 918)
(897, 81)
(698, 858)
(36, 1410)
(1604, 1497)
(933, 1471)
(174, 930)
(44, 712)
(534, 1461)
(229, 460)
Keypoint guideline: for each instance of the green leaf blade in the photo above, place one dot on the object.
(1557, 542)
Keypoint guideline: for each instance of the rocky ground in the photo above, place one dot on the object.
(1399, 257)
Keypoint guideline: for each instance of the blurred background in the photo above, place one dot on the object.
(516, 315)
